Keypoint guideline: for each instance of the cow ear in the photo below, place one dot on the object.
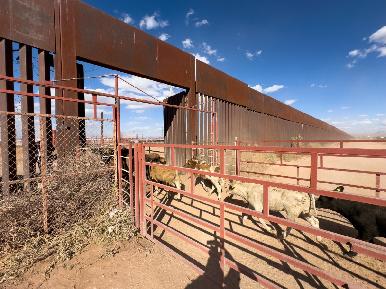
(339, 189)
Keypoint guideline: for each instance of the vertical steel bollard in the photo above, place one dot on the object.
(43, 155)
(118, 140)
(102, 130)
(173, 156)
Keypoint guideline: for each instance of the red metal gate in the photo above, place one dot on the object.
(148, 204)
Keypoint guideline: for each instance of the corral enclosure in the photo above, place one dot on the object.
(55, 142)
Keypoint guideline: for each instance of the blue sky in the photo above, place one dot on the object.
(326, 58)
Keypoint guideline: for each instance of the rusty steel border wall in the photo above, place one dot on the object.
(65, 31)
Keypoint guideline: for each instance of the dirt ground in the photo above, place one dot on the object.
(142, 264)
(134, 264)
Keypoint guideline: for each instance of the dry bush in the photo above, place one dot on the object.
(81, 202)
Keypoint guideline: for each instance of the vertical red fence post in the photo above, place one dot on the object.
(222, 223)
(173, 156)
(136, 185)
(341, 144)
(297, 175)
(238, 152)
(131, 177)
(117, 144)
(94, 100)
(152, 212)
(142, 189)
(265, 201)
(378, 184)
(314, 171)
(321, 161)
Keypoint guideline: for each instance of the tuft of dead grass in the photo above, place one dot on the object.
(81, 201)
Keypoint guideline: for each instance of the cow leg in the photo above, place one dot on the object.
(287, 231)
(313, 204)
(259, 208)
(314, 222)
(216, 186)
(265, 226)
(178, 186)
(202, 182)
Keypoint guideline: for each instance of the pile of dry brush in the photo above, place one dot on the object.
(81, 203)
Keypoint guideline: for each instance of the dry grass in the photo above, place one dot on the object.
(81, 202)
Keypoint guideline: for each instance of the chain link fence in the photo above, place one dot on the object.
(56, 172)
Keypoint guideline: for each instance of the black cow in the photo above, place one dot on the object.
(369, 220)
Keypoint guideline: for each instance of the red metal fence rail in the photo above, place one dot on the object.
(377, 174)
(341, 142)
(147, 198)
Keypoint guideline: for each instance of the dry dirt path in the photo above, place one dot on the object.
(136, 264)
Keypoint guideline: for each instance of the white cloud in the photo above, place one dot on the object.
(354, 53)
(249, 55)
(153, 22)
(361, 125)
(201, 23)
(269, 89)
(379, 36)
(273, 88)
(126, 18)
(157, 90)
(208, 49)
(380, 114)
(344, 107)
(187, 43)
(330, 110)
(201, 58)
(363, 115)
(382, 51)
(290, 101)
(220, 59)
(350, 65)
(141, 117)
(164, 36)
(378, 41)
(188, 14)
(253, 55)
(312, 85)
(139, 111)
(258, 87)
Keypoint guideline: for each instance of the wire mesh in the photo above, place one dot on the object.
(55, 172)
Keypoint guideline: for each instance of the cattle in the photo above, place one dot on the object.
(294, 204)
(213, 183)
(369, 220)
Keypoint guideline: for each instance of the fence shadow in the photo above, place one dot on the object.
(213, 274)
